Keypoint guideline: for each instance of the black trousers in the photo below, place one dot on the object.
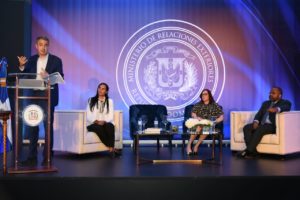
(252, 136)
(33, 132)
(105, 132)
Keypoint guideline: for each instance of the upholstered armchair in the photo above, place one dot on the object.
(151, 111)
(71, 135)
(286, 140)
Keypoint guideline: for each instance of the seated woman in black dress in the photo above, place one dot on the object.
(100, 117)
(205, 109)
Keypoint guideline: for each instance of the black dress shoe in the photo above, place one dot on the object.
(251, 155)
(242, 154)
(29, 162)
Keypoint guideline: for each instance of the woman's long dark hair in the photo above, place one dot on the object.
(211, 98)
(94, 100)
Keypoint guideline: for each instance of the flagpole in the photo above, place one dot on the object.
(5, 108)
(16, 121)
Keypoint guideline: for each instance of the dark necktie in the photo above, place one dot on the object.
(263, 120)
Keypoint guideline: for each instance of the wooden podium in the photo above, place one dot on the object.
(46, 86)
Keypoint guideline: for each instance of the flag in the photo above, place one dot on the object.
(4, 105)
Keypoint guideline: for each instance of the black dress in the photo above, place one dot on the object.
(206, 111)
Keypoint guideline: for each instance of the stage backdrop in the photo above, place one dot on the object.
(167, 52)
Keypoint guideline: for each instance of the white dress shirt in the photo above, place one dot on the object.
(41, 66)
(96, 114)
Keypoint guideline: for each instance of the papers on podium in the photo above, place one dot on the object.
(55, 78)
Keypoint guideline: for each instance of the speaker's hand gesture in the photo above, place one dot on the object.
(273, 110)
(22, 61)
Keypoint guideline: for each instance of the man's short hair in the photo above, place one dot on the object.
(42, 38)
(279, 89)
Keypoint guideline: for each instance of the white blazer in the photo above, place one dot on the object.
(91, 116)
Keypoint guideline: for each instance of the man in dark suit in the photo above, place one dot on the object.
(43, 64)
(264, 121)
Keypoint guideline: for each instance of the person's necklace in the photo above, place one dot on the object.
(102, 100)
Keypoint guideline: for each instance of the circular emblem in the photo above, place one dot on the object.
(33, 115)
(169, 62)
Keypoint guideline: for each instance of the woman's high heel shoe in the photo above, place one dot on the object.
(189, 152)
(117, 152)
(195, 152)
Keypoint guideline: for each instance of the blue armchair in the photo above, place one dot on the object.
(151, 111)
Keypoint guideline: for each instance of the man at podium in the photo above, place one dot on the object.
(43, 64)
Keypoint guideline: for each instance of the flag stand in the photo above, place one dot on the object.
(4, 115)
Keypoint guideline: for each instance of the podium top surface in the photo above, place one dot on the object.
(22, 74)
(29, 79)
(25, 87)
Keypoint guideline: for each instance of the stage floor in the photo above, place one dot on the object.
(102, 165)
(98, 176)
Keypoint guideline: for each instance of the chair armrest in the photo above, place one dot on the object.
(118, 121)
(69, 130)
(238, 119)
(288, 126)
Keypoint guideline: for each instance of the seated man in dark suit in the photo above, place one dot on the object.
(264, 121)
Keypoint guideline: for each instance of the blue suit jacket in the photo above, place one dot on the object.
(54, 64)
(284, 105)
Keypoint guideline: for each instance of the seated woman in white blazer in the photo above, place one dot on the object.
(100, 116)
